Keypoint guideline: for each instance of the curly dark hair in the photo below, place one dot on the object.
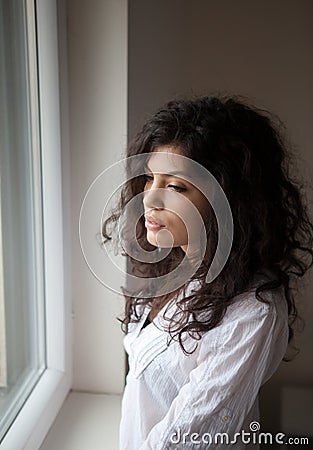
(246, 150)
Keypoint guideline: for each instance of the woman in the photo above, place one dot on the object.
(199, 351)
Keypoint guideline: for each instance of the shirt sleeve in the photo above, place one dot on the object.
(231, 365)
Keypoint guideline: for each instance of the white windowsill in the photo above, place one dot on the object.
(86, 421)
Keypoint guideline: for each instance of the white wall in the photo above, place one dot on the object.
(97, 65)
(259, 49)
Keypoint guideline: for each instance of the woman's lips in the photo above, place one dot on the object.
(152, 224)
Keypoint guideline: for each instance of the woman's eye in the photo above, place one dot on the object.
(177, 188)
(149, 179)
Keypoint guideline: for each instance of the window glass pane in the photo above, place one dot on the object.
(22, 343)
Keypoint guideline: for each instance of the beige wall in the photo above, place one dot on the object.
(97, 68)
(259, 49)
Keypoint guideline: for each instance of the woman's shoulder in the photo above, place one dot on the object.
(256, 305)
(254, 301)
(249, 318)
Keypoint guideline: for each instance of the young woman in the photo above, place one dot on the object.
(200, 351)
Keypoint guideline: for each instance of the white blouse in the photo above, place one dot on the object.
(174, 401)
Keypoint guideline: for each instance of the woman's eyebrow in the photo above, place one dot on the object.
(167, 174)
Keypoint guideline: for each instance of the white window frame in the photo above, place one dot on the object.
(35, 418)
(3, 357)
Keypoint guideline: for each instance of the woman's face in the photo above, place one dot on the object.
(170, 201)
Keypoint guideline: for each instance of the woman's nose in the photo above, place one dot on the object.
(153, 198)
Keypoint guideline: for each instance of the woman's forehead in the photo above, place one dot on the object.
(168, 160)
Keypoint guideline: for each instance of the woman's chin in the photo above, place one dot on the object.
(161, 244)
(161, 239)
